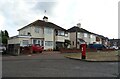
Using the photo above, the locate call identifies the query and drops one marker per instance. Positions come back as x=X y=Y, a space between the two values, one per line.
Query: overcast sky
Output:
x=98 y=16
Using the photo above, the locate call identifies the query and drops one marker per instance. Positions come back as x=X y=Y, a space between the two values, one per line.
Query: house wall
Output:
x=80 y=35
x=25 y=31
x=18 y=40
x=87 y=38
x=73 y=39
x=92 y=39
x=13 y=41
x=48 y=37
x=31 y=30
x=60 y=38
x=35 y=34
x=67 y=37
x=21 y=41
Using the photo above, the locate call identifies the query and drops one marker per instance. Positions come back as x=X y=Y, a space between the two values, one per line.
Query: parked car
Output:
x=2 y=49
x=97 y=46
x=37 y=48
x=114 y=47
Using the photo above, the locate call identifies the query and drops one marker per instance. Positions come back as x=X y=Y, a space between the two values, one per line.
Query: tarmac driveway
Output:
x=55 y=65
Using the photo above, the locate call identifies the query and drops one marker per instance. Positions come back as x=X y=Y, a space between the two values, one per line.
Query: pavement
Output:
x=91 y=60
x=54 y=64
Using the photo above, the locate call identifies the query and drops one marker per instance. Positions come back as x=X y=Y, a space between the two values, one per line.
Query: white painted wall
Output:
x=13 y=41
x=31 y=30
x=37 y=35
x=25 y=31
x=48 y=36
x=60 y=38
x=18 y=40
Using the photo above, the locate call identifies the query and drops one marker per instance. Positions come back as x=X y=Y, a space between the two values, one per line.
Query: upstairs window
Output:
x=78 y=35
x=61 y=33
x=37 y=29
x=85 y=34
x=66 y=34
x=91 y=36
x=48 y=30
x=48 y=43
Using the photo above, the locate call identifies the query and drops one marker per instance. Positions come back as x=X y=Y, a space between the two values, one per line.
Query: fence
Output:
x=13 y=49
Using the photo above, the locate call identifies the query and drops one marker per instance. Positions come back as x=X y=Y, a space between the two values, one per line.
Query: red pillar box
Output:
x=83 y=49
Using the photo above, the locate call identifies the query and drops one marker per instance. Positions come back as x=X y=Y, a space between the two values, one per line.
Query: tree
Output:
x=4 y=36
x=6 y=33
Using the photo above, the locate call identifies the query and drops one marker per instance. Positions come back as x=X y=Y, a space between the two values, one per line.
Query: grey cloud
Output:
x=14 y=15
x=48 y=6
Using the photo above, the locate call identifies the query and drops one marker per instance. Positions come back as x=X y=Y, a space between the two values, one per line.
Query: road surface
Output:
x=55 y=65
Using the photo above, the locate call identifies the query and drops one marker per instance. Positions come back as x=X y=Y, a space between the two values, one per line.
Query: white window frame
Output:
x=48 y=43
x=78 y=35
x=48 y=30
x=91 y=36
x=61 y=33
x=38 y=41
x=85 y=35
x=25 y=42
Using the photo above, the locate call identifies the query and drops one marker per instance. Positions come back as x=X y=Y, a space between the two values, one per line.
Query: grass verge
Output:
x=97 y=56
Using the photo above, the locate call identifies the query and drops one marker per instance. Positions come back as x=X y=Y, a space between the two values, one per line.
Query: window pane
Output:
x=61 y=33
x=42 y=43
x=38 y=41
x=48 y=43
x=85 y=35
x=37 y=29
x=91 y=36
x=78 y=35
x=48 y=31
x=34 y=41
x=25 y=42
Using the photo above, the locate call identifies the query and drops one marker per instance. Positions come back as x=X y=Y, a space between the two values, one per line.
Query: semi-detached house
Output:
x=79 y=35
x=41 y=32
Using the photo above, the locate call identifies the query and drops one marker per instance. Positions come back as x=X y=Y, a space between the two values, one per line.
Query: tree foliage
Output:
x=4 y=35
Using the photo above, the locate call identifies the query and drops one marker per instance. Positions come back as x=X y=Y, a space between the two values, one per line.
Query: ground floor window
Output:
x=34 y=41
x=25 y=42
x=38 y=41
x=59 y=45
x=48 y=43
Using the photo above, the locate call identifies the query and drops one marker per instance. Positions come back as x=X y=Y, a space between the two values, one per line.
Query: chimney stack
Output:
x=79 y=25
x=45 y=19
